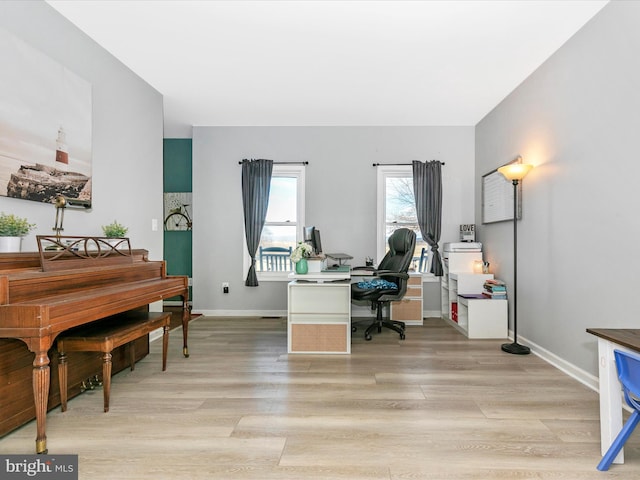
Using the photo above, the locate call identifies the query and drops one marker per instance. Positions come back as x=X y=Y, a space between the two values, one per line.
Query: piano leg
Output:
x=41 y=380
x=186 y=316
x=62 y=377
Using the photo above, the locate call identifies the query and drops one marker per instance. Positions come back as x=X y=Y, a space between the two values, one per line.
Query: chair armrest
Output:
x=390 y=273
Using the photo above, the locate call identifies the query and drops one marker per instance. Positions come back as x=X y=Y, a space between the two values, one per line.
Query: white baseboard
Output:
x=242 y=313
x=156 y=334
x=356 y=311
x=570 y=369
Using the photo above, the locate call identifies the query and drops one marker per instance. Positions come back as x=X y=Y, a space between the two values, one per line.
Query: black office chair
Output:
x=393 y=268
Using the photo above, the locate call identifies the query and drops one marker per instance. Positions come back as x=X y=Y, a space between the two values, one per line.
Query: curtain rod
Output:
x=282 y=163
x=399 y=164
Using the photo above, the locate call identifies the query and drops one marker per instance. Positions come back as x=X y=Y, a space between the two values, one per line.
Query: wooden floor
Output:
x=435 y=406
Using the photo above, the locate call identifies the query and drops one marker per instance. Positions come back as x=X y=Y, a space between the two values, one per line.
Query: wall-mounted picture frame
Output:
x=497 y=197
x=45 y=126
x=178 y=211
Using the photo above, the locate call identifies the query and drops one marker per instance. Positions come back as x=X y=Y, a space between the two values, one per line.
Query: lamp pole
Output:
x=515 y=172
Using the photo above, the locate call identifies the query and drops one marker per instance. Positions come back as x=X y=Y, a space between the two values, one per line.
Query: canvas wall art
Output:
x=45 y=126
x=178 y=211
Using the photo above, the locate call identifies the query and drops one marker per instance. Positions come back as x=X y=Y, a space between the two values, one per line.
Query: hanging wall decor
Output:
x=45 y=126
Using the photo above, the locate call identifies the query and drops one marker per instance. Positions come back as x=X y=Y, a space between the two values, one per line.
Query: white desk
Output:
x=610 y=339
x=320 y=277
x=319 y=313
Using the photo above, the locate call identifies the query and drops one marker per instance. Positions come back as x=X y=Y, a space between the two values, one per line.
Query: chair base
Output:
x=379 y=322
x=393 y=325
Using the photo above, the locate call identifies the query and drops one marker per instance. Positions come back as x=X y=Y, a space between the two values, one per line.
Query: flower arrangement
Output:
x=114 y=230
x=12 y=226
x=302 y=250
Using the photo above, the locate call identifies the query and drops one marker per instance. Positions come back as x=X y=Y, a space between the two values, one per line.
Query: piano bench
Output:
x=106 y=335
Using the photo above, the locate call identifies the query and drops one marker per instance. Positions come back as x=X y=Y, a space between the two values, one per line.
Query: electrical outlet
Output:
x=225 y=287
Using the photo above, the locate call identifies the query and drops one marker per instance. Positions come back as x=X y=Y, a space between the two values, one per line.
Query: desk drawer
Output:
x=326 y=299
x=339 y=318
x=415 y=292
x=407 y=309
x=323 y=338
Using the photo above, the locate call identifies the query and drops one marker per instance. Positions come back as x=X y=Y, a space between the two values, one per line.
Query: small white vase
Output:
x=10 y=244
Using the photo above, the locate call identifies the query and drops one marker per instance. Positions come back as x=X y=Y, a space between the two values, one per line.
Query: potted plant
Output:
x=114 y=230
x=300 y=255
x=12 y=229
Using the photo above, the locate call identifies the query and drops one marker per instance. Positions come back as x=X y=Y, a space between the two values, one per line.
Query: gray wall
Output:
x=127 y=133
x=577 y=119
x=340 y=197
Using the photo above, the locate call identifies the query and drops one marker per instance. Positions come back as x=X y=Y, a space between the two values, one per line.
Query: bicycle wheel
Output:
x=177 y=221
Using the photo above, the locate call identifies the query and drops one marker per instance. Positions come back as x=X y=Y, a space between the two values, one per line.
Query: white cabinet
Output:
x=464 y=283
x=475 y=317
x=319 y=317
x=482 y=317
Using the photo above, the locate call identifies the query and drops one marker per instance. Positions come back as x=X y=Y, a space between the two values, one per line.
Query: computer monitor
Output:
x=308 y=234
x=317 y=243
x=311 y=235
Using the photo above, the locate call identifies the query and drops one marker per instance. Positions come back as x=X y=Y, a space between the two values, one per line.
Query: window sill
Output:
x=273 y=277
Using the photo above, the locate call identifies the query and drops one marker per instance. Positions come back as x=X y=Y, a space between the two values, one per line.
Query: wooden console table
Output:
x=610 y=339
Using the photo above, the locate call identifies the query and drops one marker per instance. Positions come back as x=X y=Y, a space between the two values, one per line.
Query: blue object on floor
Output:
x=628 y=365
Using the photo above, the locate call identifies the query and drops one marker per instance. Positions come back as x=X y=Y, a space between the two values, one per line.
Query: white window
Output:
x=283 y=225
x=397 y=209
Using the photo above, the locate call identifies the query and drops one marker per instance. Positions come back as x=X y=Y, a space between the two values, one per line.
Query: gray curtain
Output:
x=256 y=183
x=427 y=189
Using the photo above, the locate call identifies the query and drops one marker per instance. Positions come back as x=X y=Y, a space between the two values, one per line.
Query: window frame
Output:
x=384 y=172
x=282 y=170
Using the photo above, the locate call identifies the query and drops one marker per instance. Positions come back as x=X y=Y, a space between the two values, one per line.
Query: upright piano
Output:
x=73 y=281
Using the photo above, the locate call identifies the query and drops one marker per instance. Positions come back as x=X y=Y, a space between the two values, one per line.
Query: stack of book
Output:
x=495 y=289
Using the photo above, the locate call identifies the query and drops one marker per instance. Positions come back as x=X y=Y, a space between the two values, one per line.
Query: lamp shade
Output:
x=515 y=171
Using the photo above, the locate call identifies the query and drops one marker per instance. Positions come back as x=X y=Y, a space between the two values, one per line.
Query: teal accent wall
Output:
x=177 y=168
x=177 y=165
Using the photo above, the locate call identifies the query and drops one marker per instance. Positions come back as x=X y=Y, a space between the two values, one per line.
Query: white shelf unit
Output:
x=319 y=317
x=482 y=317
x=464 y=283
x=454 y=263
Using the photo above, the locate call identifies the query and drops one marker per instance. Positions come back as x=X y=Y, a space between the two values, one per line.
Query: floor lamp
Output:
x=515 y=172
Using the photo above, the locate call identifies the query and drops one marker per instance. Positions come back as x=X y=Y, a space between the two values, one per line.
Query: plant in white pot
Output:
x=114 y=230
x=12 y=229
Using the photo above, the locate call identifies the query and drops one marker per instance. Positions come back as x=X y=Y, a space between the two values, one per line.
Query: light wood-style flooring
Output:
x=434 y=406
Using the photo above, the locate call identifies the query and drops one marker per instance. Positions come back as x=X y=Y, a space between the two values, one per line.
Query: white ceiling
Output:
x=329 y=62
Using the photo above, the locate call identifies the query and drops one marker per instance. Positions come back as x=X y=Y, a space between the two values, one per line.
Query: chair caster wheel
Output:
x=354 y=329
x=367 y=337
x=402 y=336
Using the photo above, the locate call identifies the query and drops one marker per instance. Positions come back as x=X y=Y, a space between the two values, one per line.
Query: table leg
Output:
x=186 y=316
x=610 y=396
